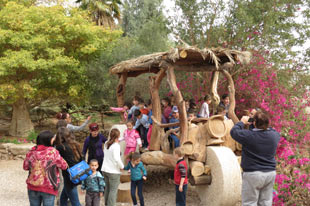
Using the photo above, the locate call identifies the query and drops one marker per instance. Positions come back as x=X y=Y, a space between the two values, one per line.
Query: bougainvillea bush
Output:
x=258 y=86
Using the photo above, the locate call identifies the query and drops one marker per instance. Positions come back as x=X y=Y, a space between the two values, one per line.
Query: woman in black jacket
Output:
x=71 y=152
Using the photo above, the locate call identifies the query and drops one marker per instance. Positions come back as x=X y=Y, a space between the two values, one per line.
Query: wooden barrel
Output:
x=216 y=127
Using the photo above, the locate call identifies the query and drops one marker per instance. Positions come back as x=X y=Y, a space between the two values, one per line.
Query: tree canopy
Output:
x=44 y=51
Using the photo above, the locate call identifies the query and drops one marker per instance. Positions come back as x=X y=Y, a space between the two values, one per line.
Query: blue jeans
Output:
x=37 y=198
x=133 y=187
x=176 y=140
x=180 y=197
x=71 y=194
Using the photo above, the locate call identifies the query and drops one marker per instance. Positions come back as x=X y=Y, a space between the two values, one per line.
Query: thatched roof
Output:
x=188 y=59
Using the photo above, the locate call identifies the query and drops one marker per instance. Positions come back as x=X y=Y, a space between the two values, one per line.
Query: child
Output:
x=131 y=137
x=143 y=110
x=42 y=162
x=94 y=185
x=180 y=178
x=166 y=108
x=135 y=106
x=124 y=109
x=93 y=144
x=220 y=110
x=142 y=125
x=173 y=119
x=204 y=110
x=149 y=132
x=138 y=174
x=191 y=114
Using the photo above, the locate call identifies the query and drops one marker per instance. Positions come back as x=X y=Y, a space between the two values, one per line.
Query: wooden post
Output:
x=156 y=109
x=120 y=90
x=214 y=95
x=180 y=104
x=200 y=180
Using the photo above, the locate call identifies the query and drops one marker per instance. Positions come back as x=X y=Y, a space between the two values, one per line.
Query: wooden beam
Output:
x=195 y=68
x=159 y=158
x=120 y=90
x=157 y=132
x=214 y=95
x=200 y=180
x=179 y=102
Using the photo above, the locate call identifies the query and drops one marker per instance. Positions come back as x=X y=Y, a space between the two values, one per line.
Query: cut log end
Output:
x=188 y=148
x=197 y=168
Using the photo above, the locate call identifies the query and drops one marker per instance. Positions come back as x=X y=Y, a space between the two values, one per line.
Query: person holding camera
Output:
x=258 y=159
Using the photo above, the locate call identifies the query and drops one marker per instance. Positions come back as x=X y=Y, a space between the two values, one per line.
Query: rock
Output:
x=5 y=145
x=20 y=149
x=3 y=151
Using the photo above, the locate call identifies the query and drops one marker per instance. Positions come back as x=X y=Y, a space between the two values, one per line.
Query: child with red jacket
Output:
x=180 y=178
x=43 y=162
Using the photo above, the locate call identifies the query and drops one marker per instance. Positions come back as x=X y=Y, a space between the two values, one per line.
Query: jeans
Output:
x=257 y=188
x=37 y=198
x=180 y=197
x=111 y=186
x=176 y=140
x=71 y=194
x=143 y=134
x=133 y=187
x=92 y=198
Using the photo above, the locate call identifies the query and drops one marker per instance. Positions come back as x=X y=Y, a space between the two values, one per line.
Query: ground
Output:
x=157 y=190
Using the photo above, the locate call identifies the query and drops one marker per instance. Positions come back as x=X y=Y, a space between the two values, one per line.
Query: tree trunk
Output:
x=214 y=95
x=120 y=90
x=199 y=153
x=21 y=123
x=157 y=132
x=159 y=158
x=180 y=104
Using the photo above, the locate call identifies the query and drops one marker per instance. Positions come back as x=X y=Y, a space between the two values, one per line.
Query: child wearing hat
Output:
x=93 y=144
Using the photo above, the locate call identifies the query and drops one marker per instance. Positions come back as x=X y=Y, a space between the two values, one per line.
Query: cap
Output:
x=175 y=109
x=93 y=127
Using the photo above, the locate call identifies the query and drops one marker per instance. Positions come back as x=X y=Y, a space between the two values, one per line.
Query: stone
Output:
x=3 y=151
x=5 y=145
x=225 y=187
x=20 y=149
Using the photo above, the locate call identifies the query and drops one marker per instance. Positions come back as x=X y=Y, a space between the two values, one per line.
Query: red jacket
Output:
x=43 y=163
x=180 y=171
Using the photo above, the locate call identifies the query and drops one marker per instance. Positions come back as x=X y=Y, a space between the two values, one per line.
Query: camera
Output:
x=251 y=119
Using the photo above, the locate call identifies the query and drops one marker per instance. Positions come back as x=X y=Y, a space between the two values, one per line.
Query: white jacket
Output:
x=112 y=162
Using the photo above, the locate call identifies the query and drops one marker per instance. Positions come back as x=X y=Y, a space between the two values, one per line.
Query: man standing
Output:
x=258 y=159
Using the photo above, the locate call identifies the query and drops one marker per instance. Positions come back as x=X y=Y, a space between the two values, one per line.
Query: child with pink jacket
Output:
x=132 y=138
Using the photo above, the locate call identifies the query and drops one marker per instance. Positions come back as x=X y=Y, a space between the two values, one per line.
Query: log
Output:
x=188 y=145
x=228 y=140
x=212 y=141
x=216 y=127
x=123 y=193
x=120 y=90
x=165 y=125
x=207 y=170
x=159 y=158
x=200 y=180
x=197 y=168
x=179 y=102
x=156 y=109
x=199 y=153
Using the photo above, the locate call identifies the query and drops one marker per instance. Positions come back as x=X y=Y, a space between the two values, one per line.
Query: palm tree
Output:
x=104 y=12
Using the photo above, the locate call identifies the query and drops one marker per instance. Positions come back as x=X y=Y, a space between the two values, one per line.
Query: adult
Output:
x=67 y=117
x=251 y=115
x=258 y=159
x=71 y=152
x=93 y=144
x=43 y=179
x=111 y=167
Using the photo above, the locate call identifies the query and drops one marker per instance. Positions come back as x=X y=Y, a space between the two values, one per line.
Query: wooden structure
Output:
x=196 y=135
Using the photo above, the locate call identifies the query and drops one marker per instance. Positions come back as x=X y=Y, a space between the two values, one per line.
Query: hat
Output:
x=93 y=127
x=175 y=109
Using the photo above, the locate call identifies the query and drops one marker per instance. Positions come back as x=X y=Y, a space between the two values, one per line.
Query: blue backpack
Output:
x=79 y=172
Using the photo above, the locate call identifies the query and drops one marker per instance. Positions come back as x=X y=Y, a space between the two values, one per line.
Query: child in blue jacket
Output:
x=138 y=174
x=94 y=185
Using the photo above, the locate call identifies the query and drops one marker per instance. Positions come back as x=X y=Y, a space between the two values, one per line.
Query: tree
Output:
x=43 y=54
x=103 y=12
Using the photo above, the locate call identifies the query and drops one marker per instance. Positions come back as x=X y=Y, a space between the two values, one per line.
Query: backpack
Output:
x=79 y=172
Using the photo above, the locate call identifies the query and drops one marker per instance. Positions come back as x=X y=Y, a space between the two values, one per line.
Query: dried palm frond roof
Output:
x=188 y=59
